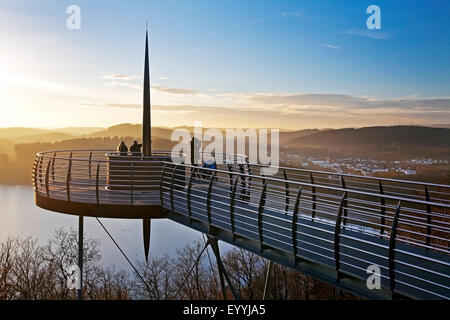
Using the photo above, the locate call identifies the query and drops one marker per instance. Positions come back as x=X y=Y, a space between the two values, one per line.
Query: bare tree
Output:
x=31 y=271
x=158 y=273
x=61 y=252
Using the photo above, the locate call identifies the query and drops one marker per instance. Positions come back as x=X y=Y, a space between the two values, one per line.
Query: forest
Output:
x=31 y=270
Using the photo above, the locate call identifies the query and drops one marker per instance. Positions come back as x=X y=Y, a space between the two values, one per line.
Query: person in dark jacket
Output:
x=122 y=148
x=136 y=148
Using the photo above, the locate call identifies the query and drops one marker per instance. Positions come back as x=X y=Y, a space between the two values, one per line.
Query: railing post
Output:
x=53 y=166
x=69 y=177
x=382 y=210
x=427 y=198
x=242 y=177
x=208 y=200
x=90 y=158
x=172 y=205
x=132 y=183
x=262 y=203
x=188 y=196
x=80 y=255
x=47 y=172
x=314 y=198
x=161 y=185
x=392 y=243
x=294 y=224
x=249 y=172
x=35 y=170
x=40 y=171
x=286 y=185
x=230 y=169
x=96 y=183
x=232 y=203
x=345 y=202
x=337 y=232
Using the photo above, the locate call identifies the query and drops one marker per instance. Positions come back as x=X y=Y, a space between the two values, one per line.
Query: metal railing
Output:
x=102 y=176
x=343 y=228
x=342 y=221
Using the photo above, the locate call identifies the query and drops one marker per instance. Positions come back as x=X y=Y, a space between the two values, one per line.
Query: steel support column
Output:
x=266 y=283
x=80 y=255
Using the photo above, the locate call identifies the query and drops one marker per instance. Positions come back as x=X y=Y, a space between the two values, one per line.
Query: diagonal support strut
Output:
x=222 y=271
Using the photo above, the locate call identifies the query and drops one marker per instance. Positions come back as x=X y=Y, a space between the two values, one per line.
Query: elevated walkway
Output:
x=330 y=226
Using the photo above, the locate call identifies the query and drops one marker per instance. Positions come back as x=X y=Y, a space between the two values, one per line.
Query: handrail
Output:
x=418 y=183
x=291 y=182
x=385 y=196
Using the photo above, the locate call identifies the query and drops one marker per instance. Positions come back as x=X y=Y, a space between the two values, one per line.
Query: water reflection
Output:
x=20 y=217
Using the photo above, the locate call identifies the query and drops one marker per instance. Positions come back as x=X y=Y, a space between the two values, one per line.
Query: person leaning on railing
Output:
x=122 y=148
x=136 y=148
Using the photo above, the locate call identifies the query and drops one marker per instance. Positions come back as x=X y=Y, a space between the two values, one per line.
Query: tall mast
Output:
x=147 y=122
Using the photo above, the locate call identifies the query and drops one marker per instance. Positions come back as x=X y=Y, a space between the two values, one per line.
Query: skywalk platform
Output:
x=327 y=225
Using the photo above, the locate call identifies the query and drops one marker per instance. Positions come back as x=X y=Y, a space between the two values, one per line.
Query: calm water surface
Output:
x=20 y=217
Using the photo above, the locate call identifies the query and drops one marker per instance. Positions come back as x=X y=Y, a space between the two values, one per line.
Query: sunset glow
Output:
x=277 y=69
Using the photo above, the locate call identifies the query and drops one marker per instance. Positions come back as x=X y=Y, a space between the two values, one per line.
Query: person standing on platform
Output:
x=136 y=148
x=122 y=148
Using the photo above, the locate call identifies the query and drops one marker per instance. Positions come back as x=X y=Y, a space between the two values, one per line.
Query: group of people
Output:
x=135 y=148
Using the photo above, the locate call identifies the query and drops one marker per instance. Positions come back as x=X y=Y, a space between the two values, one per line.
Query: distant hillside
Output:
x=130 y=130
x=28 y=135
x=287 y=137
x=45 y=137
x=78 y=131
x=447 y=126
x=380 y=136
x=395 y=141
x=16 y=132
x=6 y=147
x=120 y=130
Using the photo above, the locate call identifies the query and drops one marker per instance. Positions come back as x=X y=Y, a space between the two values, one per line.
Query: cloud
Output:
x=294 y=14
x=124 y=84
x=373 y=34
x=296 y=110
x=330 y=46
x=175 y=90
x=346 y=102
x=110 y=105
x=163 y=78
x=117 y=76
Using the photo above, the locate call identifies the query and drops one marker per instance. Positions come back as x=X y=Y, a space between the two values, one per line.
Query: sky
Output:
x=262 y=64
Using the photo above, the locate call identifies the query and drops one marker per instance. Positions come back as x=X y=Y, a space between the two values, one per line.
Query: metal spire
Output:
x=146 y=123
x=146 y=137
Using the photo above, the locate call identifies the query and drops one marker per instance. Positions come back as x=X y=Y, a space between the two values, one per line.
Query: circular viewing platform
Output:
x=103 y=182
x=106 y=183
x=100 y=183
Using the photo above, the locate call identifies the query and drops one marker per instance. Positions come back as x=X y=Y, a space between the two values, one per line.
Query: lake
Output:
x=19 y=216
